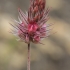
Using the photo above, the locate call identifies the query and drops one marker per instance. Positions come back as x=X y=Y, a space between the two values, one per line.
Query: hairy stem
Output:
x=28 y=60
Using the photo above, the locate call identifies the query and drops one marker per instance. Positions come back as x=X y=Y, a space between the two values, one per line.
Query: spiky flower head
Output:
x=32 y=25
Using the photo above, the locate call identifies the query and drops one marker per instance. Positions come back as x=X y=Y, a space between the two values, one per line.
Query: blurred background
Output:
x=54 y=55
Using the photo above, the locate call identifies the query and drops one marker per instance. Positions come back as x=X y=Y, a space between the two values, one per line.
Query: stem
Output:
x=28 y=60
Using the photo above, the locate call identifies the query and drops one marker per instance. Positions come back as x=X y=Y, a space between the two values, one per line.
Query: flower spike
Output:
x=32 y=26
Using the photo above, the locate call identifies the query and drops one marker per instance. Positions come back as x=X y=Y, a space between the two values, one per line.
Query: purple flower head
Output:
x=32 y=25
